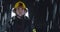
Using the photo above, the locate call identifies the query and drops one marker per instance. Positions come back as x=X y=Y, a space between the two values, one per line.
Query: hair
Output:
x=15 y=10
x=19 y=4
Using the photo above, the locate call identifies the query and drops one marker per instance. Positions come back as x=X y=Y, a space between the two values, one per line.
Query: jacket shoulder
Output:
x=11 y=22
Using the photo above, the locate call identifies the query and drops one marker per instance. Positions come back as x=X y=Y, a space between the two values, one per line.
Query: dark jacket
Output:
x=19 y=25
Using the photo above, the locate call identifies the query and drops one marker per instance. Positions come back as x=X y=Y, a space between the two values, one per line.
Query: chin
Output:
x=20 y=15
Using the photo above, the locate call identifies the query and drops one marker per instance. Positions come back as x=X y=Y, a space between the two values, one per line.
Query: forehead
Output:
x=20 y=7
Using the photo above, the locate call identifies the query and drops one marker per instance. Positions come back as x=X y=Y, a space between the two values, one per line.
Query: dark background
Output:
x=44 y=13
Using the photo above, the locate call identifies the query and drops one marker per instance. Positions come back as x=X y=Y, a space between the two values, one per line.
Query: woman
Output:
x=19 y=23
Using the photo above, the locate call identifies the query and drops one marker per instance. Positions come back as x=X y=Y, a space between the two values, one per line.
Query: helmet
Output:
x=20 y=4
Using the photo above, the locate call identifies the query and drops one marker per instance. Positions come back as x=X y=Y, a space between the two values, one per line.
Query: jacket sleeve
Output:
x=28 y=25
x=9 y=26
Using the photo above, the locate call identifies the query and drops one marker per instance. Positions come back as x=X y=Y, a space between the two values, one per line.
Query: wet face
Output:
x=20 y=11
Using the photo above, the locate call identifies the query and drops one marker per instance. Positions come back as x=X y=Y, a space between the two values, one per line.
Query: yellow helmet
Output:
x=20 y=4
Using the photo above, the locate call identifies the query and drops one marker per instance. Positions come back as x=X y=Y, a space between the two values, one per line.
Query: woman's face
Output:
x=20 y=11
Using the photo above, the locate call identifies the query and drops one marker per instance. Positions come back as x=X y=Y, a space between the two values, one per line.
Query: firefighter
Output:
x=19 y=23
